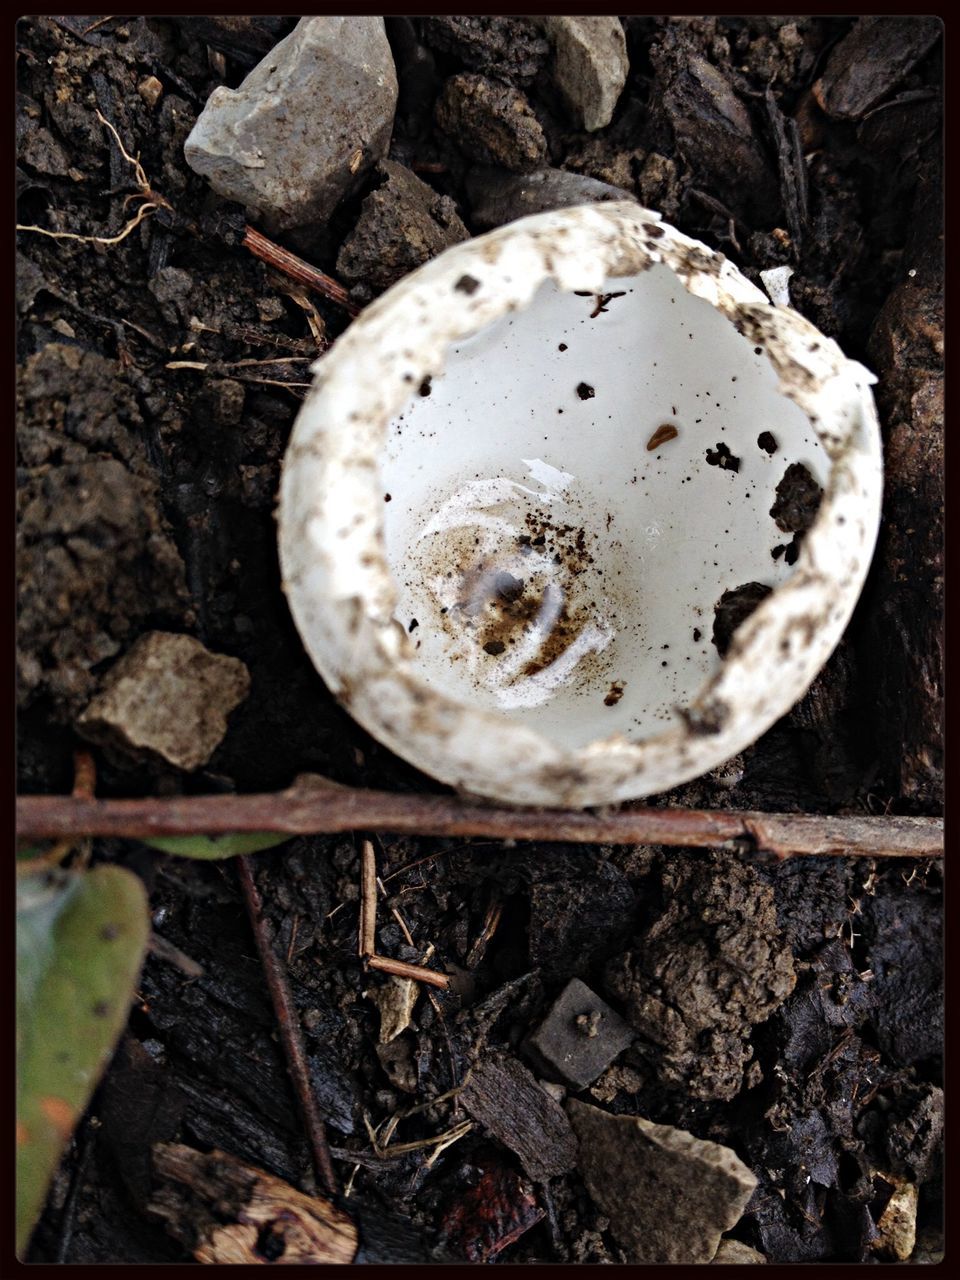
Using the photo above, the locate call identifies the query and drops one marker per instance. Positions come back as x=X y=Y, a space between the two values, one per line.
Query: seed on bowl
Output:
x=666 y=431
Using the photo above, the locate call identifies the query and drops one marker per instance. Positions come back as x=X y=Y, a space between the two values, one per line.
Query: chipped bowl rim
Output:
x=331 y=520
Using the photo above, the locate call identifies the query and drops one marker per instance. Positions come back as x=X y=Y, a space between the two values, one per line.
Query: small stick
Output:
x=478 y=950
x=403 y=970
x=408 y=936
x=165 y=950
x=290 y=1032
x=367 y=944
x=283 y=260
x=309 y=809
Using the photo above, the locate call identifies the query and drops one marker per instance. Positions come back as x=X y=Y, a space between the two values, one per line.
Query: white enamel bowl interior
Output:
x=550 y=566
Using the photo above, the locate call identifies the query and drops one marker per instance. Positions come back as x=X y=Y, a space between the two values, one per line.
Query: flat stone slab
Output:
x=167 y=696
x=579 y=1038
x=669 y=1196
x=304 y=126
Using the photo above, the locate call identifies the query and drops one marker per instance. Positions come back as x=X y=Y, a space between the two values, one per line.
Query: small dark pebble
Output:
x=797 y=500
x=614 y=695
x=508 y=588
x=467 y=284
x=494 y=648
x=722 y=457
x=766 y=442
x=425 y=386
x=585 y=391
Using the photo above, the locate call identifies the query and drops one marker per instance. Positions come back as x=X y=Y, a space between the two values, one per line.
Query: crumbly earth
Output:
x=712 y=966
x=158 y=381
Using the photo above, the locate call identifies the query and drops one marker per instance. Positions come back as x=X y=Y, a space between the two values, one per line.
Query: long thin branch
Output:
x=290 y=1034
x=307 y=808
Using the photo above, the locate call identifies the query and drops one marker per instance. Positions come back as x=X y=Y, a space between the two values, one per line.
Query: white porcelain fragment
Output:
x=506 y=393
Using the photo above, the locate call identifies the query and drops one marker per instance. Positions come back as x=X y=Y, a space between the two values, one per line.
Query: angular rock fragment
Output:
x=491 y=122
x=304 y=126
x=669 y=1196
x=897 y=1224
x=497 y=197
x=168 y=696
x=403 y=224
x=579 y=1038
x=590 y=66
x=395 y=998
x=736 y=1253
x=507 y=1100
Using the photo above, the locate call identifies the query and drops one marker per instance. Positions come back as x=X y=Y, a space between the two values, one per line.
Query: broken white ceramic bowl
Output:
x=525 y=478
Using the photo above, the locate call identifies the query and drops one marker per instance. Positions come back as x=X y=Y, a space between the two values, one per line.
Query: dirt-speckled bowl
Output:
x=537 y=489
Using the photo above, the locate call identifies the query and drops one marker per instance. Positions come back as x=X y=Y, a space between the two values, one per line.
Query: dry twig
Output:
x=309 y=809
x=400 y=969
x=283 y=260
x=290 y=1032
x=368 y=900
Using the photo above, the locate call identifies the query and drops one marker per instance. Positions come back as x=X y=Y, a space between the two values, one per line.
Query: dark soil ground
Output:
x=146 y=501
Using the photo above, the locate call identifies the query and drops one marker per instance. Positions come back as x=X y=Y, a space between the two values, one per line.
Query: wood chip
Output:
x=504 y=1096
x=226 y=1211
x=662 y=434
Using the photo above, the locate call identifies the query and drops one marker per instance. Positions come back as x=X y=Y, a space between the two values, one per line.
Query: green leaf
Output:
x=81 y=939
x=214 y=847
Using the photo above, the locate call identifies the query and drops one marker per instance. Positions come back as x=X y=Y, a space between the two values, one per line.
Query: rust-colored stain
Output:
x=23 y=1134
x=662 y=434
x=60 y=1114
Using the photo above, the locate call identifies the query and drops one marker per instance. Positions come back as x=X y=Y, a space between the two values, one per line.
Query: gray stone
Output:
x=736 y=1253
x=167 y=696
x=491 y=123
x=579 y=1038
x=497 y=197
x=669 y=1196
x=304 y=126
x=402 y=224
x=590 y=66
